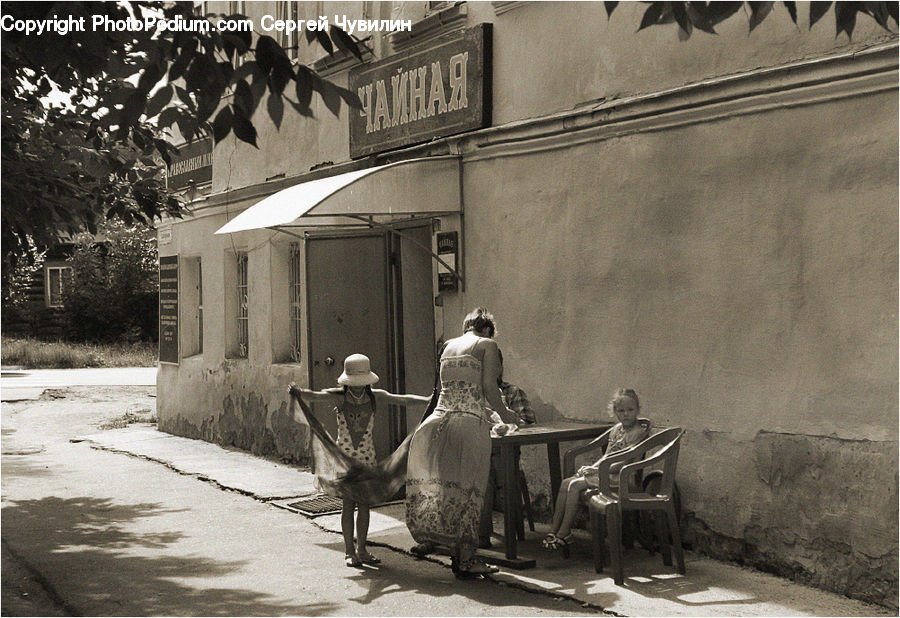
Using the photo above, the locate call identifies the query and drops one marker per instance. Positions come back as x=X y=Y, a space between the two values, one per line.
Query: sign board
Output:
x=423 y=93
x=448 y=250
x=168 y=309
x=191 y=166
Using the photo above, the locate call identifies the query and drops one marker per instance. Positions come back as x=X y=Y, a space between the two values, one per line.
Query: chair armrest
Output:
x=656 y=458
x=627 y=455
x=569 y=458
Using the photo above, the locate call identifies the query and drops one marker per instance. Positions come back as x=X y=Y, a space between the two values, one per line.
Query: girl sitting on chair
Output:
x=628 y=432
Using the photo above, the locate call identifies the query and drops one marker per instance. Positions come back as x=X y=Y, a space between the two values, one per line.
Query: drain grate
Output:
x=320 y=504
x=317 y=505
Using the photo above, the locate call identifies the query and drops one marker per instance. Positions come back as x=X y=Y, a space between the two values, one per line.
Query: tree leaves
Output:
x=244 y=130
x=159 y=100
x=817 y=10
x=792 y=10
x=275 y=107
x=681 y=17
x=304 y=87
x=322 y=37
x=653 y=15
x=243 y=99
x=705 y=15
x=221 y=126
x=281 y=74
x=758 y=12
x=267 y=52
x=845 y=18
x=345 y=42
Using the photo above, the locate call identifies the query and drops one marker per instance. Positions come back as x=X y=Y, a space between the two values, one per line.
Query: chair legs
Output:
x=663 y=534
x=676 y=539
x=606 y=539
x=614 y=542
x=598 y=538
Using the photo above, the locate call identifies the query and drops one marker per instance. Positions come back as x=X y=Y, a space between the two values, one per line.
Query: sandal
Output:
x=367 y=558
x=553 y=542
x=472 y=569
x=422 y=549
x=550 y=541
x=352 y=560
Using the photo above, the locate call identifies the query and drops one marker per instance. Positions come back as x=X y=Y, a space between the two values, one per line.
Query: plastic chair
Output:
x=600 y=442
x=609 y=506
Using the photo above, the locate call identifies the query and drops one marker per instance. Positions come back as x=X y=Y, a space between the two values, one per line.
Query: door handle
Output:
x=329 y=361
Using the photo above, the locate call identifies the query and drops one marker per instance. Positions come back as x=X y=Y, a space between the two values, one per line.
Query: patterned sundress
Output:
x=449 y=461
x=345 y=466
x=355 y=423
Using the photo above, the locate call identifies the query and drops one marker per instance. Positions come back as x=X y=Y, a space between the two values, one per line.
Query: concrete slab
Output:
x=230 y=469
x=27 y=393
x=709 y=588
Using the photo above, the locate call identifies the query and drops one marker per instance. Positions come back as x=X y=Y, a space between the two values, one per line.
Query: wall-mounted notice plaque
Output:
x=448 y=251
x=168 y=309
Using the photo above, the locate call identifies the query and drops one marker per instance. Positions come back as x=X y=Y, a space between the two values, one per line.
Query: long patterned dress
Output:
x=449 y=461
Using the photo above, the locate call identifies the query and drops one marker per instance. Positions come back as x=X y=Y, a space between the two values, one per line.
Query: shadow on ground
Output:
x=432 y=577
x=83 y=541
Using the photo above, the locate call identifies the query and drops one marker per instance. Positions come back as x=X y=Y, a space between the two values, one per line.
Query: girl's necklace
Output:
x=355 y=398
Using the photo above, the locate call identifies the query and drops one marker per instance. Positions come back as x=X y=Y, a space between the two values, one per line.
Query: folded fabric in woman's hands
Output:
x=503 y=429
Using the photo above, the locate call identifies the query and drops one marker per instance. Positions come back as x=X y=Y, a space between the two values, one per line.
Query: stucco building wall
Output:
x=690 y=219
x=746 y=287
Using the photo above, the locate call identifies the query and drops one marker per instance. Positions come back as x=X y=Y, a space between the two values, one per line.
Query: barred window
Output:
x=199 y=306
x=236 y=7
x=191 y=306
x=242 y=313
x=55 y=283
x=289 y=41
x=295 y=285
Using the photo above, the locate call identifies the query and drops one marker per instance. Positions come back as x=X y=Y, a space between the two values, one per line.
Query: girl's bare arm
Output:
x=382 y=396
x=318 y=396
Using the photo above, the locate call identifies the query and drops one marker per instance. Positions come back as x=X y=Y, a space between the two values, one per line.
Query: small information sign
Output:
x=448 y=251
x=168 y=309
x=191 y=166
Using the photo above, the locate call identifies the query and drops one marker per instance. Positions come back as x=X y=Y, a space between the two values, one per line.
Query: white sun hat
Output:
x=357 y=371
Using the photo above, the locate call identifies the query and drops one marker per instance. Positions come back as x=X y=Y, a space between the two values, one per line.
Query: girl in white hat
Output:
x=354 y=405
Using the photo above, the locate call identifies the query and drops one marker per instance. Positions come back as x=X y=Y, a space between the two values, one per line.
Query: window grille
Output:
x=434 y=7
x=236 y=7
x=242 y=315
x=56 y=276
x=289 y=41
x=295 y=283
x=199 y=306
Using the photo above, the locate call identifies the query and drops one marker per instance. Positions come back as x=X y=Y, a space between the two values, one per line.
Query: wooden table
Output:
x=550 y=434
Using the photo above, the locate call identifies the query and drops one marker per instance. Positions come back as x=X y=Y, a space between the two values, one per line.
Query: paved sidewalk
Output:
x=710 y=588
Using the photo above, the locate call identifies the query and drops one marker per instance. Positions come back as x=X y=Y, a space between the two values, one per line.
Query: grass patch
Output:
x=34 y=354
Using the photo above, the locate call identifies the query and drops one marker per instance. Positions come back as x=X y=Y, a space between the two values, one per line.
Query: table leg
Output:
x=507 y=458
x=555 y=474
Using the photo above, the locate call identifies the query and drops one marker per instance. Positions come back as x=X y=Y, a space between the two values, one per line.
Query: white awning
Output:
x=427 y=187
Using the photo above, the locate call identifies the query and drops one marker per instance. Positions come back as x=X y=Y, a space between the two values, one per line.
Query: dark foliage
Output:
x=67 y=168
x=113 y=293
